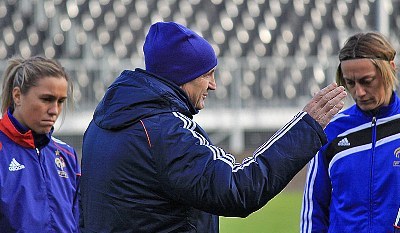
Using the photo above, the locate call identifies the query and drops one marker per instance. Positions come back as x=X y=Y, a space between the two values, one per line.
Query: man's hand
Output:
x=326 y=103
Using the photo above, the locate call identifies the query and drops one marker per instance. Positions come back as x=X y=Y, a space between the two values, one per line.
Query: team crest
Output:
x=60 y=164
x=397 y=152
x=396 y=163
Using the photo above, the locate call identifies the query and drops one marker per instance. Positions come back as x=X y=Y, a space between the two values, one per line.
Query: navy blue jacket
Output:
x=148 y=167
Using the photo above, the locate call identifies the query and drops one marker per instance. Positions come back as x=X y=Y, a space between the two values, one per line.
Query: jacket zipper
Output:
x=43 y=172
x=371 y=207
x=40 y=164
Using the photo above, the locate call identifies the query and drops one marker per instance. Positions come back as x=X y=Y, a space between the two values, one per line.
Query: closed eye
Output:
x=61 y=101
x=350 y=83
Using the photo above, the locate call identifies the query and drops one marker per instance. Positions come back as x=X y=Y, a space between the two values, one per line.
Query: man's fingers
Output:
x=324 y=96
x=324 y=119
x=331 y=96
x=334 y=110
x=330 y=109
x=320 y=94
x=338 y=96
x=326 y=103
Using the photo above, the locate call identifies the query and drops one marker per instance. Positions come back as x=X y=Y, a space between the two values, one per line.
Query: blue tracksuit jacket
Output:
x=38 y=182
x=353 y=183
x=148 y=167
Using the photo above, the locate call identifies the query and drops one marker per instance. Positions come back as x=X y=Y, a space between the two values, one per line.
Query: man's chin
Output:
x=200 y=106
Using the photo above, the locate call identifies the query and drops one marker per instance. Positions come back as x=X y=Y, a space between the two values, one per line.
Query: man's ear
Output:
x=16 y=95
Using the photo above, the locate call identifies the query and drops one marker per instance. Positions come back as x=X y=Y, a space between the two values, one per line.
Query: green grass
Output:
x=280 y=215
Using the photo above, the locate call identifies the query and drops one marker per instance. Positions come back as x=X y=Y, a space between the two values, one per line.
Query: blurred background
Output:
x=273 y=54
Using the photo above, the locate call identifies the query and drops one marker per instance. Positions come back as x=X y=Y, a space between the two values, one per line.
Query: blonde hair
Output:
x=373 y=46
x=25 y=73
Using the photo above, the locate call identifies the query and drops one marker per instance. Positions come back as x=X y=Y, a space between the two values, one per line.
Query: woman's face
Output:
x=365 y=84
x=39 y=108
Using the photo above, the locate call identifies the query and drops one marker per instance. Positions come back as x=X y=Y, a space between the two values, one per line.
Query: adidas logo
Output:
x=15 y=166
x=344 y=142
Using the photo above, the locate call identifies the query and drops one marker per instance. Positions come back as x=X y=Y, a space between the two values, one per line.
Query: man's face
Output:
x=365 y=84
x=198 y=88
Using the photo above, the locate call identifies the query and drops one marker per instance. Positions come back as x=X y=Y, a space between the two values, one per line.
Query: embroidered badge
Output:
x=60 y=164
x=397 y=152
x=396 y=163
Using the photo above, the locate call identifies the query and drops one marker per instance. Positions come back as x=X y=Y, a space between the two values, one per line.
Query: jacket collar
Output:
x=177 y=90
x=27 y=139
x=384 y=111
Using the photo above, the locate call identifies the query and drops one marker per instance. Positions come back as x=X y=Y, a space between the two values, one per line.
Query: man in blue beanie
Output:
x=177 y=53
x=147 y=166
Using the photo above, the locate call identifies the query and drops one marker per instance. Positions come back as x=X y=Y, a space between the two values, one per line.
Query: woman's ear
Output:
x=16 y=95
x=393 y=64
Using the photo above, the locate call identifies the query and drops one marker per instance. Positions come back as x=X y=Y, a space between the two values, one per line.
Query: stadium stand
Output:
x=274 y=54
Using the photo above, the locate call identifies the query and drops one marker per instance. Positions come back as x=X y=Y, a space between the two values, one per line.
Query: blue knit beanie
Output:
x=176 y=53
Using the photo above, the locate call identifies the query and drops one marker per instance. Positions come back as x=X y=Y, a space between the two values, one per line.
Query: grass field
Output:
x=280 y=215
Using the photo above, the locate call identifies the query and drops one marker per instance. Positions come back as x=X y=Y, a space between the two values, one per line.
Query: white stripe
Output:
x=355 y=129
x=303 y=203
x=311 y=190
x=304 y=206
x=58 y=141
x=220 y=154
x=279 y=134
x=201 y=137
x=346 y=153
x=308 y=205
x=386 y=119
x=368 y=125
x=361 y=148
x=397 y=218
x=14 y=162
x=388 y=139
x=186 y=121
x=272 y=140
x=338 y=116
x=217 y=152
